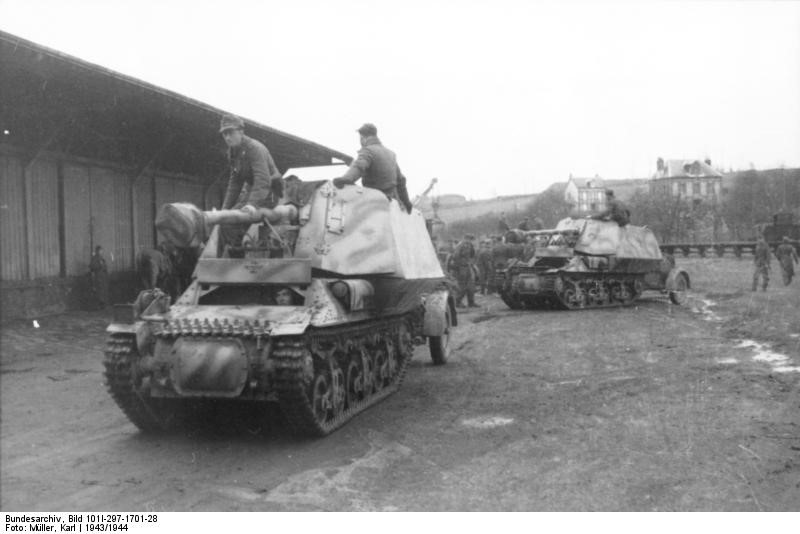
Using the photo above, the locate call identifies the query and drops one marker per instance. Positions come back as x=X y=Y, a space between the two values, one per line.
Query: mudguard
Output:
x=669 y=284
x=437 y=305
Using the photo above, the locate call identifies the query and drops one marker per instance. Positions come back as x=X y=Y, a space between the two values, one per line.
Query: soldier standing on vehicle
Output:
x=787 y=257
x=762 y=263
x=461 y=263
x=98 y=275
x=502 y=224
x=254 y=178
x=485 y=265
x=615 y=210
x=377 y=165
x=525 y=224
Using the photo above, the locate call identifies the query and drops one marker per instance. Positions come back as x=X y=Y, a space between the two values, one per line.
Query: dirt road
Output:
x=648 y=408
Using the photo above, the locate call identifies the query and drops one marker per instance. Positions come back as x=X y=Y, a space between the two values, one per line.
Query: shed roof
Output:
x=57 y=102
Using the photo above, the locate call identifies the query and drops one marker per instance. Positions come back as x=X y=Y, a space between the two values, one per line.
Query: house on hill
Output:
x=692 y=179
x=586 y=194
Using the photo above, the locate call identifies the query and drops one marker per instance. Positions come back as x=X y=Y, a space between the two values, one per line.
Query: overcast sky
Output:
x=492 y=97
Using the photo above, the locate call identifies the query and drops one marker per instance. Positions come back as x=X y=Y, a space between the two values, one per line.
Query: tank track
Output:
x=384 y=347
x=149 y=415
x=578 y=291
x=313 y=410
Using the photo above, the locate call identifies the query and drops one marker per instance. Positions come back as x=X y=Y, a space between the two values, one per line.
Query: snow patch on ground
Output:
x=703 y=307
x=727 y=361
x=763 y=353
x=487 y=421
x=786 y=369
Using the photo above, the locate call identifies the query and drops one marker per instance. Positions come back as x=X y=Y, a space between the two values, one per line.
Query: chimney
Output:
x=660 y=164
x=708 y=161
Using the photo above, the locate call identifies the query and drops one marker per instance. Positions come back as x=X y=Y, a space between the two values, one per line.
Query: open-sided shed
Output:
x=86 y=157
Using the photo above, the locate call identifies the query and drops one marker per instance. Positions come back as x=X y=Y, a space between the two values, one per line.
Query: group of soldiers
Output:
x=254 y=182
x=472 y=266
x=762 y=261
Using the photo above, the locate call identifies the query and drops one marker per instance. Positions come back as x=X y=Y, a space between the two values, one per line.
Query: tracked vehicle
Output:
x=586 y=263
x=317 y=311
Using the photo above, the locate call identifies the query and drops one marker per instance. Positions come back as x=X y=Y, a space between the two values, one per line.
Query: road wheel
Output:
x=440 y=345
x=681 y=292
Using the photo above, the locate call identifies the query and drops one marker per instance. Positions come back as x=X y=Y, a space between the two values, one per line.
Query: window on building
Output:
x=696 y=188
x=682 y=188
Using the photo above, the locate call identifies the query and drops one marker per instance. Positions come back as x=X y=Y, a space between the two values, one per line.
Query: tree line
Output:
x=751 y=198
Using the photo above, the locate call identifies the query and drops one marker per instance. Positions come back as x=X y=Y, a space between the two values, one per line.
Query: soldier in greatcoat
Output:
x=787 y=257
x=762 y=264
x=461 y=265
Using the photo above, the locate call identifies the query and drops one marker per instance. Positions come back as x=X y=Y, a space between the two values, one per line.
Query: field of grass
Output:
x=772 y=316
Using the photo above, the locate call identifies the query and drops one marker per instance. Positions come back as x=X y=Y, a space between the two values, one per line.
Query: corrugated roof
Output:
x=52 y=68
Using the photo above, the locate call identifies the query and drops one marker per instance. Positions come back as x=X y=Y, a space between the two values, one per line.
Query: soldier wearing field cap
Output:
x=254 y=178
x=377 y=166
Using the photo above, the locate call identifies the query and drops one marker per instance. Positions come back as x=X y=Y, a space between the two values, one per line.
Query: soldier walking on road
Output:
x=762 y=263
x=98 y=276
x=787 y=257
x=461 y=265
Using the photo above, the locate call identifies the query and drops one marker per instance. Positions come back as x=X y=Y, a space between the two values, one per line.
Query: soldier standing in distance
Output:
x=98 y=275
x=787 y=257
x=377 y=165
x=761 y=262
x=460 y=264
x=485 y=265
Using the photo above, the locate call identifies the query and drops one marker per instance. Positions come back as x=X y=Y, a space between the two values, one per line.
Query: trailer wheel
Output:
x=681 y=292
x=440 y=345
